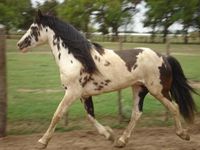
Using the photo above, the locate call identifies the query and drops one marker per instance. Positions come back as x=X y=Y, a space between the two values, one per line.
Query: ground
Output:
x=144 y=138
x=157 y=138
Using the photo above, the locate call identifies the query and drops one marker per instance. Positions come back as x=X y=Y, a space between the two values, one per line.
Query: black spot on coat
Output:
x=88 y=103
x=59 y=55
x=35 y=33
x=107 y=63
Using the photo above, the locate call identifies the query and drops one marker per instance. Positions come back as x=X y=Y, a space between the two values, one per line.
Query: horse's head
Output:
x=35 y=35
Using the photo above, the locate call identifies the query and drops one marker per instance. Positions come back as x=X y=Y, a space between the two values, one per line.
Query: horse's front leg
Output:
x=103 y=130
x=67 y=100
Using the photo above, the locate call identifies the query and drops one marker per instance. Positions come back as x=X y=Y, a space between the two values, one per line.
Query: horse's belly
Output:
x=109 y=84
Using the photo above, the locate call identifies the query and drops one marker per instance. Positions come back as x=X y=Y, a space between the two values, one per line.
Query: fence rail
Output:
x=132 y=38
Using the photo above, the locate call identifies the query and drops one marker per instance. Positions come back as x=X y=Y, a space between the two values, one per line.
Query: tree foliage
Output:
x=187 y=10
x=15 y=14
x=77 y=12
x=197 y=17
x=164 y=13
x=49 y=7
x=113 y=14
x=108 y=14
x=161 y=13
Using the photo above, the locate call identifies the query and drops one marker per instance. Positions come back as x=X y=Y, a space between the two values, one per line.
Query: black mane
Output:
x=78 y=45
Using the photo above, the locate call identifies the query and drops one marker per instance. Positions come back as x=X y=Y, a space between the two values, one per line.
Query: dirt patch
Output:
x=160 y=138
x=40 y=90
x=195 y=85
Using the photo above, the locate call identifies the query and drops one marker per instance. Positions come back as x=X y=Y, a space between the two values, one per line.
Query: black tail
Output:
x=181 y=91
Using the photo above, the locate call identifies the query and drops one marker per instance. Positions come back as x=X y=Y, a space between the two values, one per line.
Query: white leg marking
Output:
x=67 y=100
x=174 y=109
x=136 y=114
x=100 y=128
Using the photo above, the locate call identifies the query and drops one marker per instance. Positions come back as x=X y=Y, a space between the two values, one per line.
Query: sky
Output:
x=137 y=25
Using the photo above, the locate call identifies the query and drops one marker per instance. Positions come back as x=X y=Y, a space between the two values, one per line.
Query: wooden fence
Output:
x=3 y=85
x=132 y=38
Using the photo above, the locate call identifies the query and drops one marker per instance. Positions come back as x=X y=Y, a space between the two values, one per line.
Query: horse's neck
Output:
x=63 y=58
x=56 y=50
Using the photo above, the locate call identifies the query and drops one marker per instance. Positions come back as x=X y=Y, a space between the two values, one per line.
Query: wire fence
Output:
x=35 y=92
x=135 y=38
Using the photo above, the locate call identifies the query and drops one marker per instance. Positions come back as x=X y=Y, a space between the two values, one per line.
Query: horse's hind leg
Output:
x=139 y=92
x=105 y=131
x=165 y=99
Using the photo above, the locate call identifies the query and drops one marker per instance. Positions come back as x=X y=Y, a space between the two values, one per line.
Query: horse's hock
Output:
x=3 y=92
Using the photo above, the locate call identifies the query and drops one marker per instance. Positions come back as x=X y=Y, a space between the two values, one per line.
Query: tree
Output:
x=49 y=7
x=114 y=17
x=80 y=13
x=186 y=13
x=161 y=13
x=151 y=23
x=16 y=14
x=77 y=12
x=197 y=17
x=6 y=15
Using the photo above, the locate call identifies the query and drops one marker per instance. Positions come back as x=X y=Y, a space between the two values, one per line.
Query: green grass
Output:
x=30 y=112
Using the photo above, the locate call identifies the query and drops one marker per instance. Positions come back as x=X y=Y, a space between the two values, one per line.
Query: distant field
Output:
x=34 y=89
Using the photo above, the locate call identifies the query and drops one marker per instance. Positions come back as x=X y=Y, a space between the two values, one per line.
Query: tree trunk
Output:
x=115 y=37
x=3 y=87
x=186 y=36
x=153 y=34
x=153 y=38
x=199 y=35
x=165 y=35
x=168 y=46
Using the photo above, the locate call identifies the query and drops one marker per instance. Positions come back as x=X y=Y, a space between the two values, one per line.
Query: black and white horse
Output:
x=87 y=69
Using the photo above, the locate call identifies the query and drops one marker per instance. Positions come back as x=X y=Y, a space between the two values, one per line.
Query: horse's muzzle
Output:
x=23 y=46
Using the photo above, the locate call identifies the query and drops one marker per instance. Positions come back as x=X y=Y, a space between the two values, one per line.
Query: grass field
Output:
x=34 y=89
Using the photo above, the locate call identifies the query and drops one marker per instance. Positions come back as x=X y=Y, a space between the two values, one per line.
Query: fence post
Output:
x=168 y=43
x=119 y=100
x=3 y=85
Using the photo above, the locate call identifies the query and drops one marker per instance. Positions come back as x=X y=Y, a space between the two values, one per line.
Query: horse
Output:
x=87 y=69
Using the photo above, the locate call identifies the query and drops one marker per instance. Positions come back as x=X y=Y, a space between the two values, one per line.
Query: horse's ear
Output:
x=39 y=15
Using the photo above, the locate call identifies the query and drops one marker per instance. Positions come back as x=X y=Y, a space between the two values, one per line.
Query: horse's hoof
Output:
x=184 y=135
x=110 y=131
x=41 y=145
x=119 y=144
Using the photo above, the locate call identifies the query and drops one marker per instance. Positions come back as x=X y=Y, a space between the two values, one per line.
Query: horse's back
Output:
x=125 y=68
